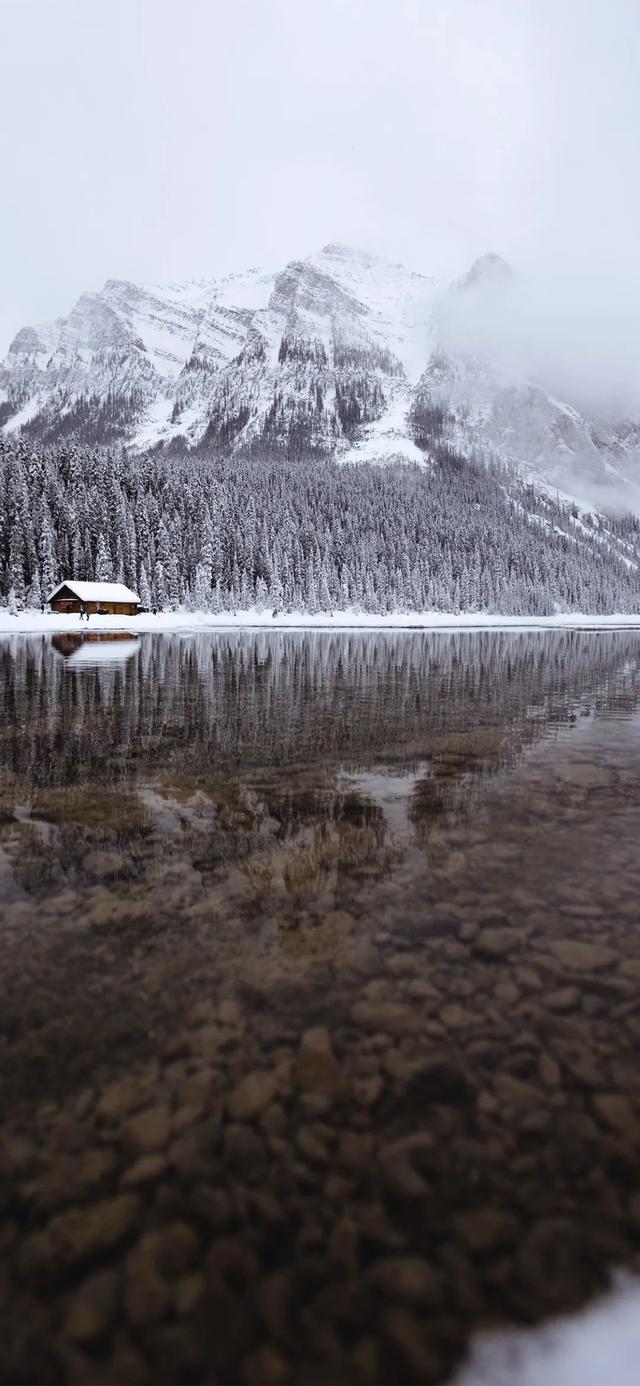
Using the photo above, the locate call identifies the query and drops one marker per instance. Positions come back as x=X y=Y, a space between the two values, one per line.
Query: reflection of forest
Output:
x=227 y=701
x=283 y=767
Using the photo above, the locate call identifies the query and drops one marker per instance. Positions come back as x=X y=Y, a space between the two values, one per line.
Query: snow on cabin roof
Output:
x=97 y=591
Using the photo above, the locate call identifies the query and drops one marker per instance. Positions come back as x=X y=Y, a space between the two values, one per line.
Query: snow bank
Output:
x=35 y=622
x=601 y=1345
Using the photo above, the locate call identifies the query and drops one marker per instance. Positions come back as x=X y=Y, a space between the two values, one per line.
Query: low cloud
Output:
x=574 y=333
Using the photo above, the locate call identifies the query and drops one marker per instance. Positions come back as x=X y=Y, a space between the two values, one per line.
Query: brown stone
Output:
x=582 y=957
x=229 y=1012
x=144 y=1170
x=189 y=1293
x=400 y=1162
x=118 y=1099
x=498 y=943
x=147 y=1295
x=367 y=1090
x=266 y=1367
x=389 y=1016
x=80 y=1233
x=17 y=1153
x=176 y=1248
x=549 y=1071
x=406 y=1278
x=518 y=1093
x=316 y=1067
x=252 y=1095
x=149 y=1130
x=407 y=1335
x=454 y=1017
x=484 y=1230
x=228 y=1261
x=631 y=968
x=507 y=993
x=617 y=1113
x=562 y=1000
x=92 y=1308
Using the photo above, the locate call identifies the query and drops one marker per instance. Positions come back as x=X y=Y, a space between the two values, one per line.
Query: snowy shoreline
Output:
x=37 y=623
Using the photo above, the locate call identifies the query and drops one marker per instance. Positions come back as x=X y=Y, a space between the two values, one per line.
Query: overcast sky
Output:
x=144 y=139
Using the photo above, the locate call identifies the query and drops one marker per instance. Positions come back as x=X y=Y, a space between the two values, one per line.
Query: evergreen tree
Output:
x=104 y=568
x=319 y=537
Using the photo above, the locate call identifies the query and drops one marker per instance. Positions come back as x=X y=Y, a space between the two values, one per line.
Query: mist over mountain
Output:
x=346 y=355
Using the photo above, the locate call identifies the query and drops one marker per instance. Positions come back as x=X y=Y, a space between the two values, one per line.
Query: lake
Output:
x=319 y=1016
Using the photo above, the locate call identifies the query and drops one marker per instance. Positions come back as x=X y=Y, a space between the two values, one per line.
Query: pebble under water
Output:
x=319 y=1020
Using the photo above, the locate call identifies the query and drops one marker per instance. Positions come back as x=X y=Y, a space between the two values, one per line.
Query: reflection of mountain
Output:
x=392 y=793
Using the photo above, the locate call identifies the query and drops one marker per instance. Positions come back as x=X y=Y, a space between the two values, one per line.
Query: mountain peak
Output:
x=356 y=255
x=339 y=250
x=487 y=269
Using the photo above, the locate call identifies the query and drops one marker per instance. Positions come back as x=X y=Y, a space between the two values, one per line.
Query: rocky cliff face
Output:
x=341 y=354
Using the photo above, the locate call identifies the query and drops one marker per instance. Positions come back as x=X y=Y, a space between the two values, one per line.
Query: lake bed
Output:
x=319 y=1021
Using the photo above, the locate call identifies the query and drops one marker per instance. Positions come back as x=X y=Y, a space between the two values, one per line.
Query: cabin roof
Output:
x=96 y=591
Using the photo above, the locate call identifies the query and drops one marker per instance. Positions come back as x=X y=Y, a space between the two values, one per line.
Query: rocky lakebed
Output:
x=319 y=1020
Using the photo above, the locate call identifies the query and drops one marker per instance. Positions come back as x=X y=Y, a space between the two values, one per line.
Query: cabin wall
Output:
x=67 y=605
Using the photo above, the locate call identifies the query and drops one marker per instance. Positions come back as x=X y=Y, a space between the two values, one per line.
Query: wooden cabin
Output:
x=98 y=598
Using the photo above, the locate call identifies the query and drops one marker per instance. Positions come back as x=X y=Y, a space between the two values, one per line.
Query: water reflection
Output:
x=421 y=847
x=95 y=650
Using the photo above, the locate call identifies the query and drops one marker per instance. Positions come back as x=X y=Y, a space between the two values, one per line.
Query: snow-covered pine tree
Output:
x=104 y=566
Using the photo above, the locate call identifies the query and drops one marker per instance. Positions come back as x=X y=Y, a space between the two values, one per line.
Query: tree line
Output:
x=213 y=534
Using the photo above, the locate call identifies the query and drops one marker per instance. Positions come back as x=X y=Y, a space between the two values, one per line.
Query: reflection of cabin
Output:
x=99 y=598
x=111 y=644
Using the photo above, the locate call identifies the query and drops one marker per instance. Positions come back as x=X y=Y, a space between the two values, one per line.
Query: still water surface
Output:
x=319 y=1017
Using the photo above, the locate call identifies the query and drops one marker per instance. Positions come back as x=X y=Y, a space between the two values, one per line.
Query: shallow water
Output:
x=319 y=1003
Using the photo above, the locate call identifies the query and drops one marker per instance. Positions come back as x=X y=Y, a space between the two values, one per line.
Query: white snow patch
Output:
x=28 y=411
x=599 y=1346
x=36 y=622
x=387 y=438
x=156 y=424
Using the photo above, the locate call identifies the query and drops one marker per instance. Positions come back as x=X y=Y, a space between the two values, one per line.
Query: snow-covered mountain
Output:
x=342 y=354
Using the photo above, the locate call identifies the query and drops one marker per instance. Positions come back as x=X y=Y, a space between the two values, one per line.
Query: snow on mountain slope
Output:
x=399 y=302
x=128 y=344
x=343 y=353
